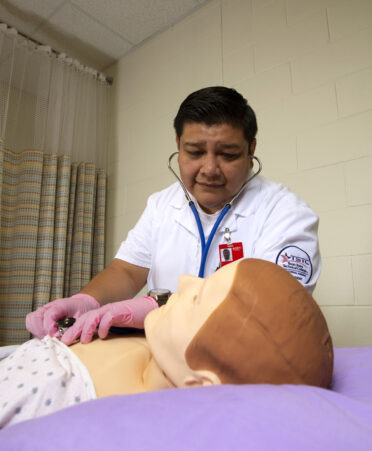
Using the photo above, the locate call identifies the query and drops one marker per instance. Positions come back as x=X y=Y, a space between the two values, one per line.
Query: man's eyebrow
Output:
x=231 y=146
x=194 y=143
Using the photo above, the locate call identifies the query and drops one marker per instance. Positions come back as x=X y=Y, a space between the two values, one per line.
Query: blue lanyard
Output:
x=206 y=245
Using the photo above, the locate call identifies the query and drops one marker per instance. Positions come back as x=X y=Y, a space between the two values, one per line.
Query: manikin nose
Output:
x=188 y=281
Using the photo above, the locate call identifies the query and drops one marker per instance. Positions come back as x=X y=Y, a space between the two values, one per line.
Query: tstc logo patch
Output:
x=297 y=262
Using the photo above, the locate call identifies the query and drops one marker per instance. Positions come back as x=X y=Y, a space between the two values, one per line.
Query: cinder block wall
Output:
x=306 y=69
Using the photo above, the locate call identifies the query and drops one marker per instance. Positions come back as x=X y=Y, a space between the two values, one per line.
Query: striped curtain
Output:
x=52 y=233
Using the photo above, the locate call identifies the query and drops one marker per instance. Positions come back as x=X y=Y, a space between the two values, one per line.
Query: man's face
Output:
x=214 y=162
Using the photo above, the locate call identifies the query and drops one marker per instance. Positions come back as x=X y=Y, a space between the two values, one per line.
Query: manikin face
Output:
x=170 y=328
x=214 y=162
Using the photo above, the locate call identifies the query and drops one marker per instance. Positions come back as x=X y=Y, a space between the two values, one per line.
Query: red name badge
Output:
x=230 y=253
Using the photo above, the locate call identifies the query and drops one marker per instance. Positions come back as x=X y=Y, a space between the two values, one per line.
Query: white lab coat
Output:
x=272 y=223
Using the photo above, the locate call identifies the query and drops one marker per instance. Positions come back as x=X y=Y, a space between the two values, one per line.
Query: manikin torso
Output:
x=121 y=365
x=124 y=364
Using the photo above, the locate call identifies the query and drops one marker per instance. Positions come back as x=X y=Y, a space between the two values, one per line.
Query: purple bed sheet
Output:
x=254 y=417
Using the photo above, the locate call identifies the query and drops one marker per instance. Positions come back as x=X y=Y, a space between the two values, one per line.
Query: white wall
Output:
x=306 y=69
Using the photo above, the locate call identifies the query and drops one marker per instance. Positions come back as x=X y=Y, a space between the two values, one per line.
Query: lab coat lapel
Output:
x=183 y=214
x=241 y=208
x=185 y=218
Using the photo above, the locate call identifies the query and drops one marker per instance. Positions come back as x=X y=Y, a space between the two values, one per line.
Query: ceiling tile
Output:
x=71 y=23
x=96 y=32
x=137 y=20
x=26 y=15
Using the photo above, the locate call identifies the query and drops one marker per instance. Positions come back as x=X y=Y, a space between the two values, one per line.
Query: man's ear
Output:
x=252 y=147
x=202 y=378
x=178 y=141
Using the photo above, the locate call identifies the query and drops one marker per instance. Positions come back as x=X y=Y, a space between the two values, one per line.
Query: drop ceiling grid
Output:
x=99 y=31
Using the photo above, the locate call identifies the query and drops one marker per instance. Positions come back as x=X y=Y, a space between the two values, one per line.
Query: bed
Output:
x=257 y=417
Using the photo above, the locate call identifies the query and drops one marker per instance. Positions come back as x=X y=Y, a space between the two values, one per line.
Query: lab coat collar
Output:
x=184 y=216
x=243 y=207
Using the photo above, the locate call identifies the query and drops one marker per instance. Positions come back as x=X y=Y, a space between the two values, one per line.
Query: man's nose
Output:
x=210 y=166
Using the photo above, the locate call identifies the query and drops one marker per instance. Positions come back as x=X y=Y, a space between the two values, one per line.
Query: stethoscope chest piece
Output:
x=64 y=323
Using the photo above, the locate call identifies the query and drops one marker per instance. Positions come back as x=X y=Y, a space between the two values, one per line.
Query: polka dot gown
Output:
x=40 y=377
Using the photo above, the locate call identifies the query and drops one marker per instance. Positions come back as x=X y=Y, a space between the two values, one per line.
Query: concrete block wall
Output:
x=306 y=69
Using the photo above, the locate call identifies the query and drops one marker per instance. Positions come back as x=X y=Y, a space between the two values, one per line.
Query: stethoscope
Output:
x=206 y=245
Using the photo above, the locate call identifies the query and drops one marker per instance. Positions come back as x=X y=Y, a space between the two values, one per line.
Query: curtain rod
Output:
x=108 y=80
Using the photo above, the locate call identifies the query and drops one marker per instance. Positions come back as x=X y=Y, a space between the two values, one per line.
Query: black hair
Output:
x=217 y=105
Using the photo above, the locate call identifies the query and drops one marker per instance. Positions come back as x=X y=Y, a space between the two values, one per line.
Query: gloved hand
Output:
x=131 y=312
x=43 y=321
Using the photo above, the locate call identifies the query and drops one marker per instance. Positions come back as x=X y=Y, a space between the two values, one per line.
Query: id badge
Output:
x=230 y=252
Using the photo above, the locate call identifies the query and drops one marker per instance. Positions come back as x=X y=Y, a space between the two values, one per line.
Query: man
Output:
x=215 y=136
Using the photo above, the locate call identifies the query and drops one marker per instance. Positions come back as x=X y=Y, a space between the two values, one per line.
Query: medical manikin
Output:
x=250 y=322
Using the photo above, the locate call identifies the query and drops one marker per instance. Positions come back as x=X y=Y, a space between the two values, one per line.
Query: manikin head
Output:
x=249 y=322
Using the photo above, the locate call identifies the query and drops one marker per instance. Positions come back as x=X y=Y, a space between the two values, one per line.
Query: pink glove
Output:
x=130 y=313
x=43 y=321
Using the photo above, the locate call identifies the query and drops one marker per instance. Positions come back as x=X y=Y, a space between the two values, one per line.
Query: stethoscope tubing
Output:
x=204 y=256
x=206 y=246
x=199 y=224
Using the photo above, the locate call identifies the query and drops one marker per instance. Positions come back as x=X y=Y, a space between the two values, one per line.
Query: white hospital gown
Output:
x=40 y=377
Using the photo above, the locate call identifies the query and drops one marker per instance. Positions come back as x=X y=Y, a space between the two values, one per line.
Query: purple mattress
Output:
x=256 y=417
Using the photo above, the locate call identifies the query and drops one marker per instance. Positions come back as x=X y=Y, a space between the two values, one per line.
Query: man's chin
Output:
x=210 y=207
x=209 y=199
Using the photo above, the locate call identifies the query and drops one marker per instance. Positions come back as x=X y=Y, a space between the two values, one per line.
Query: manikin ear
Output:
x=201 y=378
